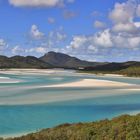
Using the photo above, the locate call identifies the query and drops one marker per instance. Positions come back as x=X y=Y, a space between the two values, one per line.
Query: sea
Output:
x=28 y=106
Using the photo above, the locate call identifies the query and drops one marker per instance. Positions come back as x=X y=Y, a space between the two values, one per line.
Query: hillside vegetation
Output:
x=60 y=60
x=131 y=68
x=121 y=128
x=131 y=71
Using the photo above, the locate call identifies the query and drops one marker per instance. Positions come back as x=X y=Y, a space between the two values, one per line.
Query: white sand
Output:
x=91 y=83
x=113 y=75
x=34 y=71
x=8 y=80
x=50 y=96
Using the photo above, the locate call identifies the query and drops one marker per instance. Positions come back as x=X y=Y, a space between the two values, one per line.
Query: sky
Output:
x=94 y=30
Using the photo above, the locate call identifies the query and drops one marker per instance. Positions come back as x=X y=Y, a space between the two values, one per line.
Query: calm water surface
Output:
x=17 y=116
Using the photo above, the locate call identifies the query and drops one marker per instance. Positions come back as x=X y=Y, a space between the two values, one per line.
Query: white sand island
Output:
x=91 y=83
x=56 y=92
x=8 y=80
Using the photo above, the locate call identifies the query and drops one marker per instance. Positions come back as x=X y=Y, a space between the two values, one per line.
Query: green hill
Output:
x=61 y=60
x=131 y=71
x=22 y=62
x=130 y=68
x=121 y=128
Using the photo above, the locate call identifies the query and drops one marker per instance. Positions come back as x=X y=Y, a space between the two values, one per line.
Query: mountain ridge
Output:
x=61 y=60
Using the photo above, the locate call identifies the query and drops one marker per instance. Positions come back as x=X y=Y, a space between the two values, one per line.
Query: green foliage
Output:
x=130 y=71
x=121 y=128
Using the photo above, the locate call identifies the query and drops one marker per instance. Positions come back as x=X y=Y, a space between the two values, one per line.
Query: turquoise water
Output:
x=17 y=116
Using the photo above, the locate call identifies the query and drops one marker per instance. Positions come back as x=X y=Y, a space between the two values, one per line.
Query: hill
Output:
x=61 y=60
x=130 y=68
x=22 y=62
x=121 y=128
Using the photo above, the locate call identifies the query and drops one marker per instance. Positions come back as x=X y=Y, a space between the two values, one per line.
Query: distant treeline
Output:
x=60 y=60
x=127 y=68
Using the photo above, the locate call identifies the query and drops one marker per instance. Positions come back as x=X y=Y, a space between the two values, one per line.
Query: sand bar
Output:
x=92 y=83
x=34 y=71
x=8 y=80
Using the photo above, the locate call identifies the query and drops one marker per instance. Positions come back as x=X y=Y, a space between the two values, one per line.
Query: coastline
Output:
x=91 y=83
x=58 y=70
x=98 y=88
x=62 y=127
x=7 y=80
x=84 y=83
x=33 y=71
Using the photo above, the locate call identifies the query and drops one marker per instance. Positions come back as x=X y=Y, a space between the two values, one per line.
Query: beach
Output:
x=61 y=90
x=58 y=96
x=8 y=80
x=34 y=71
x=92 y=83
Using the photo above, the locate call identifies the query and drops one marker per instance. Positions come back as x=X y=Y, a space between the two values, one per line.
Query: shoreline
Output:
x=7 y=80
x=97 y=88
x=24 y=134
x=58 y=70
x=84 y=83
x=91 y=83
x=55 y=70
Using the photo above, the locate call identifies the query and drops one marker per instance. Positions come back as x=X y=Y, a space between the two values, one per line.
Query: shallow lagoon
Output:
x=17 y=116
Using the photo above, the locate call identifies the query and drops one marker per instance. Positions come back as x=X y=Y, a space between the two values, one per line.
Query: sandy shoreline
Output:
x=82 y=83
x=34 y=71
x=8 y=80
x=57 y=92
x=104 y=88
x=50 y=71
x=91 y=83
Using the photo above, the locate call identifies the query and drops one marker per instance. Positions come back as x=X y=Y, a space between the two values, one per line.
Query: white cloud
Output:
x=99 y=24
x=103 y=39
x=41 y=43
x=3 y=44
x=127 y=27
x=123 y=12
x=92 y=43
x=78 y=41
x=35 y=33
x=134 y=42
x=17 y=50
x=56 y=36
x=93 y=49
x=41 y=50
x=103 y=42
x=47 y=3
x=137 y=24
x=38 y=3
x=123 y=36
x=128 y=42
x=123 y=16
x=138 y=10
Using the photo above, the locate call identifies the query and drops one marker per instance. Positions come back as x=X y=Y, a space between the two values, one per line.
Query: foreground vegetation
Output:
x=121 y=128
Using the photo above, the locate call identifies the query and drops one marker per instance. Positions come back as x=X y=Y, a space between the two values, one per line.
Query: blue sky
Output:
x=95 y=30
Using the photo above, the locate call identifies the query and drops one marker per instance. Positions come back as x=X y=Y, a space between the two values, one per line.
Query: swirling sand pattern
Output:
x=37 y=101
